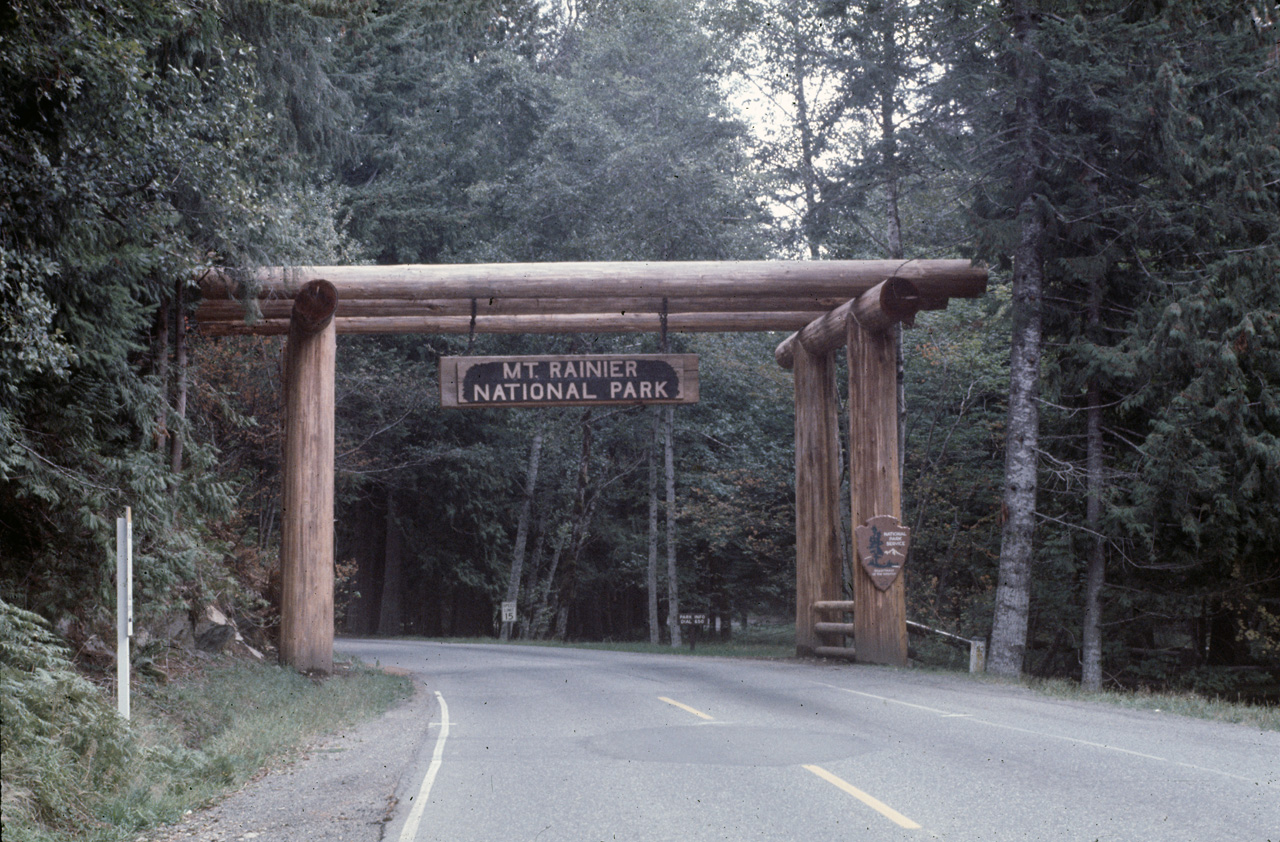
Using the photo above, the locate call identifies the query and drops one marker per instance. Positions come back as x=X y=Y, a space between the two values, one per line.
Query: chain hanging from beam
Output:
x=663 y=321
x=471 y=331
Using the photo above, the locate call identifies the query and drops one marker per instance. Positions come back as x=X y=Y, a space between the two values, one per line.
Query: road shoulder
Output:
x=341 y=788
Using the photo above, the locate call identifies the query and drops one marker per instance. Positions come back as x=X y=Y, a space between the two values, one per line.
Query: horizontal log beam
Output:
x=887 y=303
x=230 y=310
x=688 y=279
x=600 y=323
x=833 y=605
x=834 y=628
x=835 y=652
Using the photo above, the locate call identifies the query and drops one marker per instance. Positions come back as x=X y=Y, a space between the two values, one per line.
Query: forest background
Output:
x=1092 y=469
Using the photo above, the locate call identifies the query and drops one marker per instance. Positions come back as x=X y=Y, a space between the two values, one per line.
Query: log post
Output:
x=306 y=543
x=818 y=562
x=880 y=617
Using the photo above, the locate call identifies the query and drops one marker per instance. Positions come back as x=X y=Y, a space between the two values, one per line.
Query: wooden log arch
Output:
x=826 y=303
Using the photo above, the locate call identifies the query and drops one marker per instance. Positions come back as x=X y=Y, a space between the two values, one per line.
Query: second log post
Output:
x=880 y=617
x=306 y=545
x=818 y=559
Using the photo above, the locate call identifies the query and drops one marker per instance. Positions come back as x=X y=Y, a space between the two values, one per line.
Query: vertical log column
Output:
x=879 y=617
x=306 y=545
x=818 y=560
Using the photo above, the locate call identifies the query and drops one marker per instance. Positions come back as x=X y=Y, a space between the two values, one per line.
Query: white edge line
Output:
x=410 y=829
x=893 y=701
x=1044 y=734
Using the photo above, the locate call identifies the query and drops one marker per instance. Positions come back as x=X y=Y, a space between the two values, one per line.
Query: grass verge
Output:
x=1262 y=717
x=73 y=771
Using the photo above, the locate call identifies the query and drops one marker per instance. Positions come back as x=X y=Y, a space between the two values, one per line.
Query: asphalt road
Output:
x=529 y=743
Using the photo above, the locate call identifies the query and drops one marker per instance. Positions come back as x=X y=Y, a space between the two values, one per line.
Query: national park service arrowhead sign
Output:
x=882 y=547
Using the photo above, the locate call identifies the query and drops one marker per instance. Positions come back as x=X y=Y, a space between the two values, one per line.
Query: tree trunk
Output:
x=673 y=579
x=892 y=184
x=1095 y=572
x=1013 y=590
x=390 y=615
x=655 y=631
x=888 y=133
x=582 y=509
x=364 y=542
x=160 y=354
x=799 y=75
x=180 y=364
x=533 y=584
x=542 y=615
x=522 y=529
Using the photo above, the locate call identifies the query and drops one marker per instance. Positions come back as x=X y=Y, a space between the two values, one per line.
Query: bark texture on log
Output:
x=314 y=306
x=555 y=323
x=842 y=279
x=880 y=617
x=818 y=561
x=226 y=310
x=306 y=547
x=884 y=305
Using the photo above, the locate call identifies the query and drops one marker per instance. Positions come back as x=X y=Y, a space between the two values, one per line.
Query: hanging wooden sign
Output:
x=882 y=548
x=586 y=380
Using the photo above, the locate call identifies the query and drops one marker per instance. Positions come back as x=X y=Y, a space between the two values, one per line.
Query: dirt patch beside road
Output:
x=342 y=788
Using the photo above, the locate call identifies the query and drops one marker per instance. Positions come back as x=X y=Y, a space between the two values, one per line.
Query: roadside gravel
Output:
x=342 y=789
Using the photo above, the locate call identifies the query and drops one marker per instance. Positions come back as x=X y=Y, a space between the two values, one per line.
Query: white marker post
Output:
x=124 y=607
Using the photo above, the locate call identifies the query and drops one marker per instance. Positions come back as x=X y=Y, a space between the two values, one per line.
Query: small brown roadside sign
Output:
x=882 y=548
x=582 y=380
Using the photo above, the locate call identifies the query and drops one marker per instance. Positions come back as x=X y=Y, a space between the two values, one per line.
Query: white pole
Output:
x=124 y=607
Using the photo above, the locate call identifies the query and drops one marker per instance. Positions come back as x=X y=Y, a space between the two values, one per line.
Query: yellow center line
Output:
x=874 y=803
x=683 y=707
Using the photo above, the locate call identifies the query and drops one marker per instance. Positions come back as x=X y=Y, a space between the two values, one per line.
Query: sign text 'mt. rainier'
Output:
x=617 y=379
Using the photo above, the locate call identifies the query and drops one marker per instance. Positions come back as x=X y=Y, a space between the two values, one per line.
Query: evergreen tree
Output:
x=133 y=157
x=1106 y=139
x=639 y=158
x=450 y=102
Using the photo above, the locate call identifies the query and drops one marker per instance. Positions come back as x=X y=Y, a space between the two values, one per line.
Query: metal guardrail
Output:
x=977 y=648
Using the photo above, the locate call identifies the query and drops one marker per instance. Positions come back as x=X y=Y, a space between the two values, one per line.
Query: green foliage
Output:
x=73 y=769
x=30 y=346
x=957 y=389
x=449 y=103
x=142 y=141
x=1161 y=256
x=736 y=474
x=134 y=154
x=63 y=745
x=638 y=158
